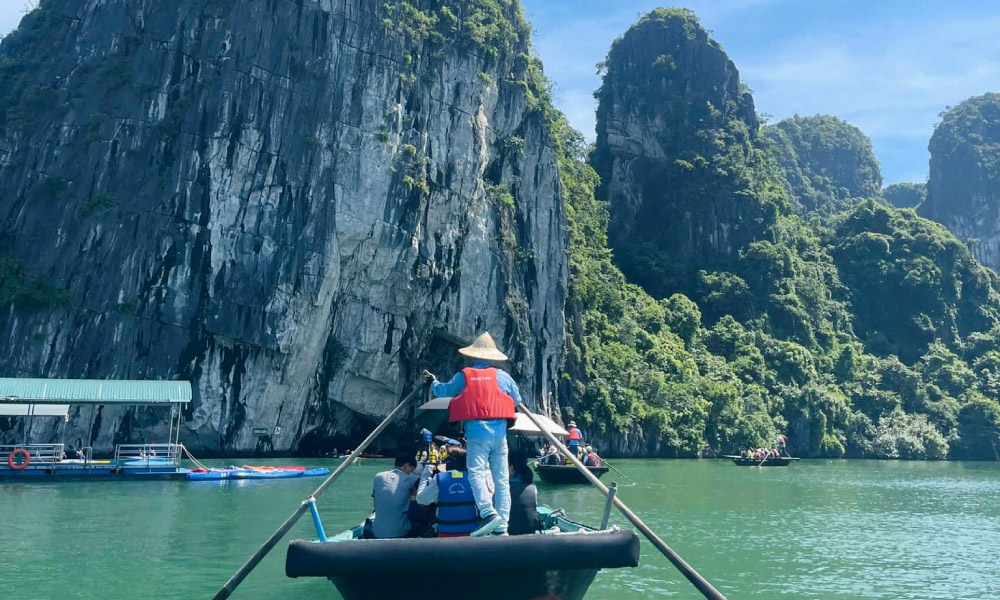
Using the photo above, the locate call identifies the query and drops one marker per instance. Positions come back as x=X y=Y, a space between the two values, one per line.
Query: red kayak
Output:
x=267 y=468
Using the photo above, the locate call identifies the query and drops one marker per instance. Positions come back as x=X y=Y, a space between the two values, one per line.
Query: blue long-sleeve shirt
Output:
x=480 y=429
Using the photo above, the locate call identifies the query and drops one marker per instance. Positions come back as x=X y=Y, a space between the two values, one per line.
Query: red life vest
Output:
x=482 y=399
x=574 y=435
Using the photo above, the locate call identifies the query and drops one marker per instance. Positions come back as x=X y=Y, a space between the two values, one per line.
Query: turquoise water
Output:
x=818 y=529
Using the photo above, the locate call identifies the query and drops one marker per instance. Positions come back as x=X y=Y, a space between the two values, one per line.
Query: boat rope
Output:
x=285 y=527
x=191 y=457
x=687 y=570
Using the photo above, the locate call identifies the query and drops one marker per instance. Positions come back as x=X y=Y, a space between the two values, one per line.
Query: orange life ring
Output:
x=14 y=465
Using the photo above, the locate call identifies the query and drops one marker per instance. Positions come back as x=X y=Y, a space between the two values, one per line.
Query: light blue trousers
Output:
x=487 y=456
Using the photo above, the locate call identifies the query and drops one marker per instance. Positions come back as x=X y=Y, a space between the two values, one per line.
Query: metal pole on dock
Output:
x=266 y=547
x=687 y=570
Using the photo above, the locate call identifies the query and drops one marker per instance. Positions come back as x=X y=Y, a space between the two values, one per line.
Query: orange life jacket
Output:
x=482 y=399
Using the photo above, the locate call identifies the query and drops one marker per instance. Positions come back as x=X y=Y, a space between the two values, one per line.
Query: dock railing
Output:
x=42 y=455
x=147 y=456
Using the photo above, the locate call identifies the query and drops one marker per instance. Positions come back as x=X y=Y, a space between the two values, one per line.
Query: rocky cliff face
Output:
x=675 y=152
x=296 y=205
x=829 y=165
x=963 y=188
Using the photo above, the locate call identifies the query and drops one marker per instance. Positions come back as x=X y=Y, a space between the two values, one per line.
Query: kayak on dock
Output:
x=560 y=561
x=566 y=473
x=770 y=461
x=250 y=472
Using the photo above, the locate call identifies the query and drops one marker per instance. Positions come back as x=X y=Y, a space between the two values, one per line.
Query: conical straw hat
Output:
x=483 y=348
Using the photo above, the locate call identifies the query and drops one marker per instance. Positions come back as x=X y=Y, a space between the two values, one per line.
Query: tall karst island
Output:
x=300 y=205
x=296 y=206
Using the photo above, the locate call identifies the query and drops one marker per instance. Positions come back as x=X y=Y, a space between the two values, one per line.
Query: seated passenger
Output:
x=524 y=497
x=451 y=490
x=391 y=494
x=590 y=458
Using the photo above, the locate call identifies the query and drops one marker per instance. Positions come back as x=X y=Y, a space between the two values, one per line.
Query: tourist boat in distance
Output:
x=770 y=461
x=559 y=562
x=566 y=473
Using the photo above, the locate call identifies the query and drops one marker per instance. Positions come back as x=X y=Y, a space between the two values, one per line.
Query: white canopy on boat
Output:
x=523 y=426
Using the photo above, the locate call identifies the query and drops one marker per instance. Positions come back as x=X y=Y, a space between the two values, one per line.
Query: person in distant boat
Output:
x=391 y=494
x=590 y=458
x=451 y=490
x=524 y=497
x=574 y=439
x=485 y=400
x=782 y=443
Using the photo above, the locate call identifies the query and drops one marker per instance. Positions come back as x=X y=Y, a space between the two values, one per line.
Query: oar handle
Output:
x=687 y=570
x=266 y=547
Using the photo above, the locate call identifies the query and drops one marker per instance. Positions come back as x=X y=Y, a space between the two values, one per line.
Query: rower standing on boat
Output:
x=484 y=401
x=574 y=439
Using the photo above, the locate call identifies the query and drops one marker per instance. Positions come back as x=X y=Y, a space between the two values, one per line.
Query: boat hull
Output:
x=522 y=567
x=493 y=585
x=566 y=473
x=779 y=461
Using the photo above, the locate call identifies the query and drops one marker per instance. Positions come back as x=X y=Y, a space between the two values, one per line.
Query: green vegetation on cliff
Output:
x=963 y=185
x=829 y=165
x=905 y=195
x=872 y=335
x=965 y=159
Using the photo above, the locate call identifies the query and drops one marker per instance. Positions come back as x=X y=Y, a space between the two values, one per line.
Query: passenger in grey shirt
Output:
x=391 y=492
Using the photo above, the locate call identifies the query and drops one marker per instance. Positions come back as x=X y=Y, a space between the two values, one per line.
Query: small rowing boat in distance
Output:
x=566 y=473
x=771 y=461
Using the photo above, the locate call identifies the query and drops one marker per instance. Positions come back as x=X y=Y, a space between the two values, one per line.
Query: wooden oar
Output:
x=612 y=467
x=266 y=547
x=687 y=570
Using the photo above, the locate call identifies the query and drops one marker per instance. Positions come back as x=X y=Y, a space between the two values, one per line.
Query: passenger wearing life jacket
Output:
x=590 y=458
x=451 y=490
x=484 y=401
x=574 y=439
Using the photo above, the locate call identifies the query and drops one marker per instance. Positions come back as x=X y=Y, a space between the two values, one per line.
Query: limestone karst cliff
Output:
x=676 y=154
x=296 y=205
x=963 y=187
x=828 y=164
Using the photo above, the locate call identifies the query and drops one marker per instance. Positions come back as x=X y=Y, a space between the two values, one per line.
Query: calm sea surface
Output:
x=818 y=529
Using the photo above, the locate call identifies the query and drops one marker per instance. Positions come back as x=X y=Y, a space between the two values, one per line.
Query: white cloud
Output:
x=890 y=72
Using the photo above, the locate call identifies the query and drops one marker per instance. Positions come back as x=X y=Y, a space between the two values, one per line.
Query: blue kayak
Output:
x=213 y=474
x=254 y=473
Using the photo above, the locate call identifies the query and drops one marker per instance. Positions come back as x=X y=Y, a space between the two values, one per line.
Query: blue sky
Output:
x=889 y=66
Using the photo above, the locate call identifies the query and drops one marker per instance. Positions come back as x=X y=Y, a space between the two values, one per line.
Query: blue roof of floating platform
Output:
x=92 y=391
